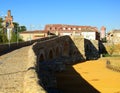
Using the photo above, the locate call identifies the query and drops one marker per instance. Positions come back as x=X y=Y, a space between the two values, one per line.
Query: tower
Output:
x=9 y=20
x=102 y=32
x=8 y=25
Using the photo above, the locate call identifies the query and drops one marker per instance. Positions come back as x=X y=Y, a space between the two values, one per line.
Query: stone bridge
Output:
x=52 y=49
x=22 y=67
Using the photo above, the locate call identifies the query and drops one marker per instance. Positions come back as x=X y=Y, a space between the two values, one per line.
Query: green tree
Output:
x=0 y=36
x=1 y=21
x=22 y=28
x=15 y=37
x=3 y=37
x=16 y=27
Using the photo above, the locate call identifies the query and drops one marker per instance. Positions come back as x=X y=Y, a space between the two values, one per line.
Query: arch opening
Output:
x=41 y=58
x=66 y=49
x=50 y=55
x=57 y=52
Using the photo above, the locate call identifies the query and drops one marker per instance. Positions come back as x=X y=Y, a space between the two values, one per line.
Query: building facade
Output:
x=87 y=32
x=32 y=35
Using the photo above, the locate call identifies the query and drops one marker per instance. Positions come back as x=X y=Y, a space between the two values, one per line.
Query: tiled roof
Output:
x=35 y=31
x=72 y=27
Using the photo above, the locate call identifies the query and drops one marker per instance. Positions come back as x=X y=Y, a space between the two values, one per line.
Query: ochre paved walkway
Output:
x=12 y=70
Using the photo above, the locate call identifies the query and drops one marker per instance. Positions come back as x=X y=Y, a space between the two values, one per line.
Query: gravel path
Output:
x=12 y=70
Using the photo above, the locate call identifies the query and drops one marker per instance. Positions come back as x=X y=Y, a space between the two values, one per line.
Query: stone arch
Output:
x=57 y=52
x=50 y=54
x=41 y=56
x=65 y=49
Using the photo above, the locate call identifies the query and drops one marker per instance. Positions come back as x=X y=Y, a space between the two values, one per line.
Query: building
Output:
x=113 y=36
x=32 y=35
x=87 y=32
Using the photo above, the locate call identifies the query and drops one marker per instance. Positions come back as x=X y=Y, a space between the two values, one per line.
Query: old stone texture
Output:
x=110 y=48
x=31 y=81
x=82 y=49
x=91 y=49
x=18 y=68
x=12 y=71
x=16 y=75
x=77 y=49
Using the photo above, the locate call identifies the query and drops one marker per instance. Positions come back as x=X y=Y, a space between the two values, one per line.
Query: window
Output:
x=74 y=28
x=55 y=28
x=50 y=28
x=64 y=28
x=69 y=28
x=79 y=28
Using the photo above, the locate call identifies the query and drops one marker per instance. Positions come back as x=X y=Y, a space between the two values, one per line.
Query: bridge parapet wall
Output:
x=31 y=80
x=5 y=48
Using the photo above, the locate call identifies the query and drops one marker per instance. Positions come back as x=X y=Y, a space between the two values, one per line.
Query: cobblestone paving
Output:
x=12 y=71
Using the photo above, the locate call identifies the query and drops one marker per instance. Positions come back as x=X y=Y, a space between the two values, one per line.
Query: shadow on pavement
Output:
x=70 y=81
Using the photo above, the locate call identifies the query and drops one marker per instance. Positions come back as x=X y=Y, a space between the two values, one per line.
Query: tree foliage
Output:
x=3 y=37
x=22 y=28
x=18 y=28
x=15 y=37
x=15 y=33
x=1 y=21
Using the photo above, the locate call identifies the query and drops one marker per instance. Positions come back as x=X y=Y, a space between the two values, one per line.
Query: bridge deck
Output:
x=12 y=70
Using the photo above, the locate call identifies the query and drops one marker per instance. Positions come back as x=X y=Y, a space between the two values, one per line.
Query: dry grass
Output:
x=113 y=49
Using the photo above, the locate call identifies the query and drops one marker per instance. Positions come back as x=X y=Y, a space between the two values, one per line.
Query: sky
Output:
x=35 y=14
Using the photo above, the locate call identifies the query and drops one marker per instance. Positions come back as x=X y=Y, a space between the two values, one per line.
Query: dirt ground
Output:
x=89 y=77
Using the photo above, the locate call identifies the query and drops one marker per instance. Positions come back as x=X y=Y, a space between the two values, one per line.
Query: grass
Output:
x=108 y=55
x=114 y=63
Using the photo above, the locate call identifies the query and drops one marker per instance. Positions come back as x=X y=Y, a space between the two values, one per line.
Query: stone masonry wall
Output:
x=31 y=80
x=77 y=50
x=91 y=49
x=82 y=49
x=4 y=48
x=111 y=48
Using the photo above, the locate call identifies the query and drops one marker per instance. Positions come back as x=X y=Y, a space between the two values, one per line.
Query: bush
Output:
x=106 y=55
